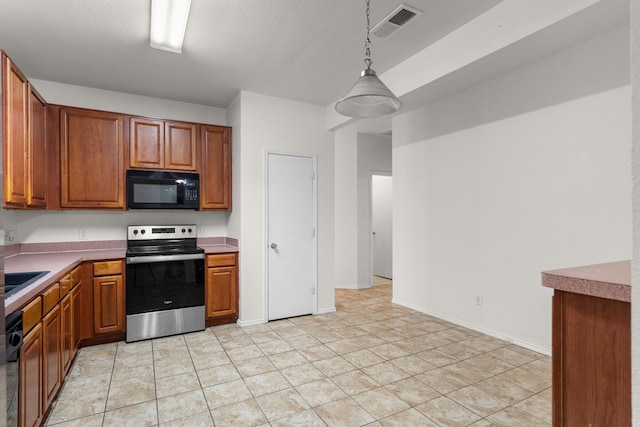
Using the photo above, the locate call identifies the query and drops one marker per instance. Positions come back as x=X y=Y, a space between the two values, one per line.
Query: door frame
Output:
x=371 y=174
x=265 y=245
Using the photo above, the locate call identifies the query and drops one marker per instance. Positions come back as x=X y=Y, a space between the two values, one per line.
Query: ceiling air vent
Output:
x=395 y=21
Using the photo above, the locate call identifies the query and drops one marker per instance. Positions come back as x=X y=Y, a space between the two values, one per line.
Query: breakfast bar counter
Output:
x=591 y=347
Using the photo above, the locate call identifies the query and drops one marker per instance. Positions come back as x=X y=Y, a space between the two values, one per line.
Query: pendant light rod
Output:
x=369 y=97
x=367 y=43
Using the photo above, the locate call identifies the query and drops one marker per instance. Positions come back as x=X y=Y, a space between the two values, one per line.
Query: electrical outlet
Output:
x=82 y=234
x=478 y=299
x=202 y=231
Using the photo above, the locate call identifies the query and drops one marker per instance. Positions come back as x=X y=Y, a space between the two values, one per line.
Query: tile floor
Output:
x=370 y=363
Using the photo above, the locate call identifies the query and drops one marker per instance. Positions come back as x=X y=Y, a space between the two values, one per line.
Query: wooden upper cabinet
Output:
x=91 y=159
x=180 y=146
x=37 y=164
x=15 y=100
x=215 y=177
x=159 y=144
x=146 y=145
x=24 y=140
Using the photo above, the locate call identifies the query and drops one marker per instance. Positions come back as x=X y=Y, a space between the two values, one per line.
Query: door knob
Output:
x=274 y=246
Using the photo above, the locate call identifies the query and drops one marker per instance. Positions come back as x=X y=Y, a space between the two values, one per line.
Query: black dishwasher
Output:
x=13 y=333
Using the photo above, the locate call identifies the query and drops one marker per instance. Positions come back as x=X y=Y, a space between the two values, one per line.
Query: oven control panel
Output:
x=156 y=232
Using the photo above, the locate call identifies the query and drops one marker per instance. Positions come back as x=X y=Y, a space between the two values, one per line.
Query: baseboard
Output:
x=529 y=346
x=243 y=323
x=326 y=310
x=367 y=286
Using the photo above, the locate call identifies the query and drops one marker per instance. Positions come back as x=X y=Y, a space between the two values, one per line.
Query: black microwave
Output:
x=162 y=190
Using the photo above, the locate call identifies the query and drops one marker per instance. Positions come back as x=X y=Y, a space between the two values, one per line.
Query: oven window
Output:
x=155 y=193
x=164 y=286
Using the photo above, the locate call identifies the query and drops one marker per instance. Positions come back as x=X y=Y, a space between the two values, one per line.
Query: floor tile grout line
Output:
x=348 y=321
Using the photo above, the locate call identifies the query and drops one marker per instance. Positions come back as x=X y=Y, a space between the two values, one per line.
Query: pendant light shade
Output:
x=369 y=97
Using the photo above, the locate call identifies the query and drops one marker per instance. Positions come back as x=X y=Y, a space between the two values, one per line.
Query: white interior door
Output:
x=291 y=238
x=382 y=229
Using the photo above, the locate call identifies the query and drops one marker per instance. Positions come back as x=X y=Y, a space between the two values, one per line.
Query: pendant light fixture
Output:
x=369 y=97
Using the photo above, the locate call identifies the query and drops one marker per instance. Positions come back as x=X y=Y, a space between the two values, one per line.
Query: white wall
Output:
x=63 y=226
x=346 y=208
x=98 y=99
x=374 y=155
x=234 y=119
x=268 y=123
x=524 y=173
x=635 y=263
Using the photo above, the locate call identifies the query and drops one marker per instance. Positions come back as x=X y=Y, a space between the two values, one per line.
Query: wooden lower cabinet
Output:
x=66 y=309
x=221 y=289
x=108 y=304
x=49 y=346
x=76 y=322
x=31 y=407
x=52 y=354
x=591 y=359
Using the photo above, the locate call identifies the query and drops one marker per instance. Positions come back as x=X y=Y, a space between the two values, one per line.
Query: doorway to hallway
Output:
x=381 y=226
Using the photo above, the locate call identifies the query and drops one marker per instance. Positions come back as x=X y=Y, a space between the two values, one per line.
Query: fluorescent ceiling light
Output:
x=168 y=24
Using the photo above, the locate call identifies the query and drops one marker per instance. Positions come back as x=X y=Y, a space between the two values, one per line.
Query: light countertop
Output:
x=60 y=259
x=610 y=280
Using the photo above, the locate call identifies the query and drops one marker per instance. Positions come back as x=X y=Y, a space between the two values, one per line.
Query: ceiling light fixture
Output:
x=168 y=24
x=369 y=97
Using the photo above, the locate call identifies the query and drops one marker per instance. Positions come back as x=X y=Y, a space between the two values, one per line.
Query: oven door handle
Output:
x=162 y=258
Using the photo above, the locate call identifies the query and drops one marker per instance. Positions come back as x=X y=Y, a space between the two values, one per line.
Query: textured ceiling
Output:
x=306 y=50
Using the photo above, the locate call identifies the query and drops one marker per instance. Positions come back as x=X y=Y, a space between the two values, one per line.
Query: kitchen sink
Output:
x=13 y=282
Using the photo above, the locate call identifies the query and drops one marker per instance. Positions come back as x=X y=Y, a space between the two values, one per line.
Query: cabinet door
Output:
x=37 y=168
x=108 y=305
x=76 y=316
x=30 y=400
x=146 y=146
x=221 y=294
x=591 y=358
x=15 y=88
x=180 y=146
x=215 y=177
x=52 y=354
x=91 y=159
x=67 y=332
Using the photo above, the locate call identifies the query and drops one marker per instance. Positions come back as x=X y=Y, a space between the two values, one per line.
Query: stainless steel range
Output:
x=164 y=281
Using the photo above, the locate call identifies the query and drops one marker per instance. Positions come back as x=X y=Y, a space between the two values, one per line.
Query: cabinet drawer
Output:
x=107 y=268
x=75 y=276
x=31 y=314
x=66 y=283
x=222 y=260
x=50 y=298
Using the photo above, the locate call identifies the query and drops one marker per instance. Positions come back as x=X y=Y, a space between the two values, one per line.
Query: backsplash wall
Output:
x=73 y=226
